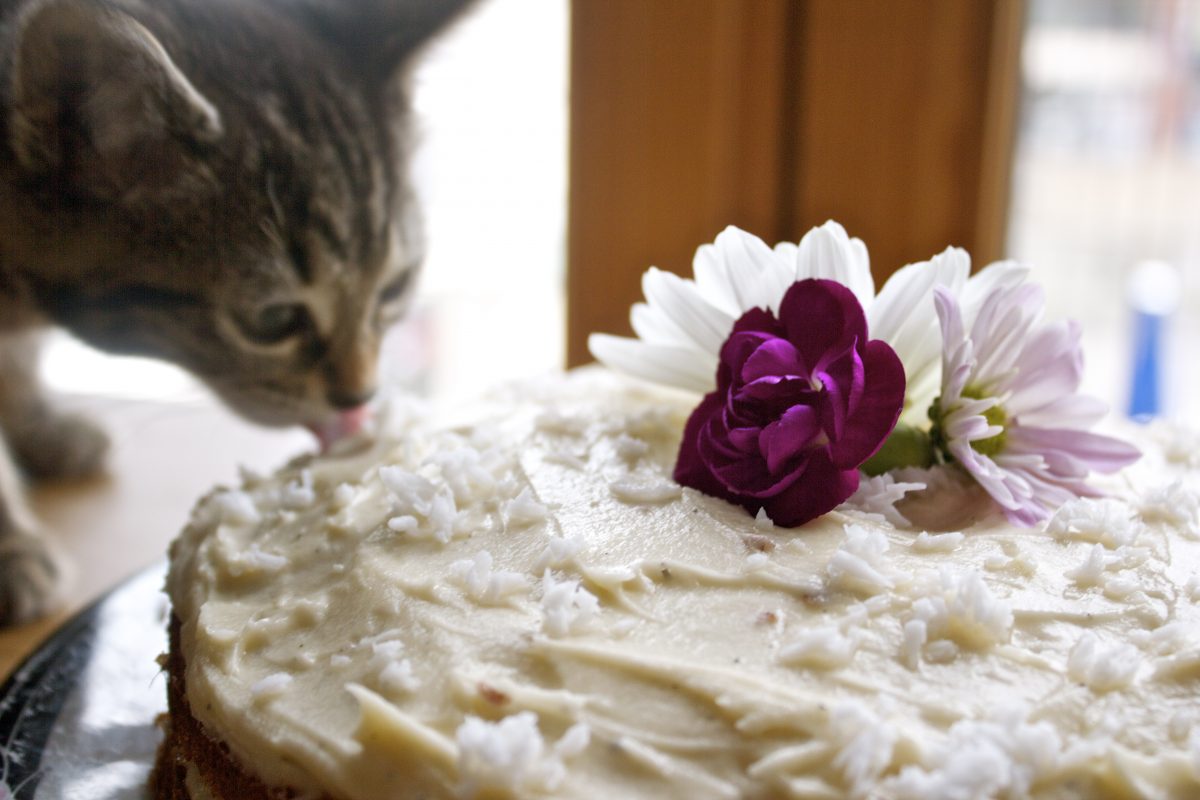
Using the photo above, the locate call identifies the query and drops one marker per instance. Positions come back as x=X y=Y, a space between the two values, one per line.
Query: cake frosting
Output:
x=520 y=601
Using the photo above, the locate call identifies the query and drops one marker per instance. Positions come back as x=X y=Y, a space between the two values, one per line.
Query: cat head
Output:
x=221 y=183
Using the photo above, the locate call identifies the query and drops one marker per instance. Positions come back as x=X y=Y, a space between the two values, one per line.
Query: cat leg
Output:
x=29 y=575
x=45 y=442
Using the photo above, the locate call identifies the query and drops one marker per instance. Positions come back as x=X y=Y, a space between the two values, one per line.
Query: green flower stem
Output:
x=907 y=446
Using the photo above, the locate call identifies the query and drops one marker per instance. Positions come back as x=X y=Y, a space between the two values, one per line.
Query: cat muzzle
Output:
x=340 y=425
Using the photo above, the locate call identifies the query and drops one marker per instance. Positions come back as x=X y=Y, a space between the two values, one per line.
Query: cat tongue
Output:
x=340 y=425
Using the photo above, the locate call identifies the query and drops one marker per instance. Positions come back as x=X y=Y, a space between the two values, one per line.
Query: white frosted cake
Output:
x=523 y=603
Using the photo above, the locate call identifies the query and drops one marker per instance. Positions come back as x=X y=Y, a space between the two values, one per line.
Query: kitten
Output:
x=213 y=182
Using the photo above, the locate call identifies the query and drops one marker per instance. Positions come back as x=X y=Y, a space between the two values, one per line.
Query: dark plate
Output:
x=77 y=718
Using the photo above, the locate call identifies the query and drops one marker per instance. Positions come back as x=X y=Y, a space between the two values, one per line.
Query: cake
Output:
x=856 y=545
x=520 y=601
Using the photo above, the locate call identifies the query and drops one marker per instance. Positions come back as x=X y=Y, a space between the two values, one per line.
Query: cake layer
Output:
x=523 y=603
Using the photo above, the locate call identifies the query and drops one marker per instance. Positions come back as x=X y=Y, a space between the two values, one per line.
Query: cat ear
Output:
x=381 y=36
x=95 y=93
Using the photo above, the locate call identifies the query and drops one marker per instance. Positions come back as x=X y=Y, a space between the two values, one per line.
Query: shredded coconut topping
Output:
x=937 y=542
x=398 y=677
x=1101 y=668
x=859 y=565
x=236 y=507
x=299 y=493
x=643 y=489
x=1174 y=503
x=864 y=742
x=511 y=755
x=877 y=496
x=823 y=648
x=1105 y=520
x=959 y=606
x=1091 y=570
x=630 y=448
x=344 y=495
x=567 y=607
x=477 y=578
x=271 y=686
x=1001 y=757
x=560 y=551
x=762 y=521
x=256 y=559
x=524 y=510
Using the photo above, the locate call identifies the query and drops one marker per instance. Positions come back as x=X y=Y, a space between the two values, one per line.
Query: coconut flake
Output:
x=1091 y=569
x=1101 y=668
x=1001 y=757
x=1104 y=520
x=1173 y=503
x=405 y=523
x=1191 y=589
x=565 y=458
x=270 y=687
x=937 y=542
x=567 y=607
x=556 y=422
x=236 y=507
x=916 y=633
x=481 y=582
x=411 y=491
x=960 y=606
x=524 y=510
x=398 y=677
x=298 y=493
x=642 y=490
x=859 y=564
x=257 y=559
x=762 y=521
x=630 y=448
x=344 y=495
x=876 y=497
x=823 y=648
x=560 y=551
x=1121 y=586
x=510 y=756
x=864 y=742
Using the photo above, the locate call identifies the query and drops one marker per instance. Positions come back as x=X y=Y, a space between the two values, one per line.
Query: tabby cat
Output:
x=214 y=182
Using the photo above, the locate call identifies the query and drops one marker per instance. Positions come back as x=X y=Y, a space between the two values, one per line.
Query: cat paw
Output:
x=61 y=447
x=29 y=579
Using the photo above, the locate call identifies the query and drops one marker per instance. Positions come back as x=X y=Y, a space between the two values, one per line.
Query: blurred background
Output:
x=564 y=147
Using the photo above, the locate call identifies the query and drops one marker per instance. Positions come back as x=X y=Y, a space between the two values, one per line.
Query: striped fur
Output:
x=219 y=183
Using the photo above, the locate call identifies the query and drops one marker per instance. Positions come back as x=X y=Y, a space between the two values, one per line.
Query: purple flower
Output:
x=1009 y=412
x=801 y=402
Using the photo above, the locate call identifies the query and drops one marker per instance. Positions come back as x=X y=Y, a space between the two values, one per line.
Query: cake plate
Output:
x=77 y=717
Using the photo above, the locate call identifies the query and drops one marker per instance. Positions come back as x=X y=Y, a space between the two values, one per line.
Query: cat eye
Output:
x=395 y=290
x=273 y=323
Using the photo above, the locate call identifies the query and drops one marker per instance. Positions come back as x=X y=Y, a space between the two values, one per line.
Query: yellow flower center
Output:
x=995 y=416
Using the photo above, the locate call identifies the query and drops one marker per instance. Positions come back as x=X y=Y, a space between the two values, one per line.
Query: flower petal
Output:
x=902 y=314
x=775 y=358
x=682 y=367
x=681 y=302
x=1051 y=368
x=690 y=469
x=1094 y=451
x=739 y=272
x=788 y=436
x=822 y=319
x=822 y=488
x=877 y=411
x=828 y=252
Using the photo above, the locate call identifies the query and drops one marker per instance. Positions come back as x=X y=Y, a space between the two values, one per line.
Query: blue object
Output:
x=1145 y=391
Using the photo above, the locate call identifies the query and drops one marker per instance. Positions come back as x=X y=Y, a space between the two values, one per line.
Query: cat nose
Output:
x=344 y=399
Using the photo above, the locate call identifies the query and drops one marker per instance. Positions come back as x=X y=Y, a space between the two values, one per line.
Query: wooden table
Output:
x=165 y=455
